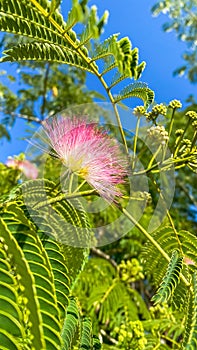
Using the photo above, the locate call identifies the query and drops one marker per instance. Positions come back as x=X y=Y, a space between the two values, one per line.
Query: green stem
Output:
x=61 y=197
x=116 y=112
x=167 y=164
x=194 y=140
x=146 y=234
x=81 y=185
x=153 y=158
x=171 y=340
x=180 y=139
x=70 y=183
x=135 y=141
x=174 y=229
x=169 y=133
x=171 y=124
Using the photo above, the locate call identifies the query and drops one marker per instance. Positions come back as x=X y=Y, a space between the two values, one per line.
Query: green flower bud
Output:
x=191 y=114
x=175 y=104
x=159 y=109
x=186 y=142
x=139 y=111
x=179 y=132
x=194 y=124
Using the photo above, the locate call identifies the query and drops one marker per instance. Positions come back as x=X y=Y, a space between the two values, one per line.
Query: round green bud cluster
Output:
x=175 y=104
x=139 y=111
x=186 y=147
x=131 y=271
x=131 y=336
x=186 y=142
x=191 y=114
x=179 y=132
x=158 y=134
x=162 y=310
x=194 y=124
x=146 y=195
x=159 y=109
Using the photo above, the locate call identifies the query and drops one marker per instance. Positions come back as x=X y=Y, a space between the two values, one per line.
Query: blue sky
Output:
x=161 y=51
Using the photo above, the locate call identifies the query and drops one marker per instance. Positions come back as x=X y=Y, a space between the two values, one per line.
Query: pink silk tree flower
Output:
x=26 y=167
x=89 y=152
x=188 y=261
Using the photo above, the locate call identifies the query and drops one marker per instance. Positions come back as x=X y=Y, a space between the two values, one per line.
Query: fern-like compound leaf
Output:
x=139 y=90
x=22 y=18
x=17 y=288
x=96 y=343
x=39 y=264
x=45 y=52
x=71 y=325
x=56 y=41
x=86 y=334
x=33 y=20
x=125 y=58
x=170 y=280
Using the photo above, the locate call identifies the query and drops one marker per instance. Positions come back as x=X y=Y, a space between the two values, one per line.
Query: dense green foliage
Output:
x=57 y=291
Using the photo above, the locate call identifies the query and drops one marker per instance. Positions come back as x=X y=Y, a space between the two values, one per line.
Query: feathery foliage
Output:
x=53 y=40
x=170 y=280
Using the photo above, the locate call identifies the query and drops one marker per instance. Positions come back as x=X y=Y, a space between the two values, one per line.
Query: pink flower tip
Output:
x=188 y=261
x=25 y=166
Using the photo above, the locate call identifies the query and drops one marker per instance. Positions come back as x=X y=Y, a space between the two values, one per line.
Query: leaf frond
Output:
x=45 y=52
x=170 y=280
x=139 y=90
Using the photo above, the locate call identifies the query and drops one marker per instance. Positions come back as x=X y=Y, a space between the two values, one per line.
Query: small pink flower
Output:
x=188 y=261
x=26 y=167
x=88 y=152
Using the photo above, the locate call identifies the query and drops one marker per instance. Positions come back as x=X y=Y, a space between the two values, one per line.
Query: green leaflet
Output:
x=71 y=326
x=20 y=285
x=24 y=18
x=40 y=269
x=190 y=336
x=77 y=331
x=170 y=280
x=54 y=5
x=60 y=272
x=139 y=90
x=86 y=334
x=96 y=343
x=125 y=58
x=45 y=52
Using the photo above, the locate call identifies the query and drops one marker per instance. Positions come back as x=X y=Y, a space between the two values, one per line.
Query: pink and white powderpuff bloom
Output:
x=89 y=152
x=26 y=167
